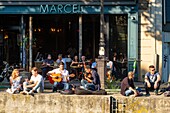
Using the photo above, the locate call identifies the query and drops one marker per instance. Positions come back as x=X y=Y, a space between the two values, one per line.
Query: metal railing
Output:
x=117 y=106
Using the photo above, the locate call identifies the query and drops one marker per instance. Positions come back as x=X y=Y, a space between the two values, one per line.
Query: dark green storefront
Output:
x=27 y=10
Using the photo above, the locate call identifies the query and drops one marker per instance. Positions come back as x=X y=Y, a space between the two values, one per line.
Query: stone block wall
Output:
x=57 y=103
x=53 y=103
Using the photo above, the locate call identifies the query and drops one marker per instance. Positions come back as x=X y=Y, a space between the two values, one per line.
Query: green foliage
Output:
x=112 y=84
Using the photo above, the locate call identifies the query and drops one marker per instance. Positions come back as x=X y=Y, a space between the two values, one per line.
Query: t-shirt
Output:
x=40 y=81
x=64 y=73
x=109 y=65
x=152 y=78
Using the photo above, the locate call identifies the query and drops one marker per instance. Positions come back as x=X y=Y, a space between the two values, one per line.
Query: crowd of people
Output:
x=60 y=75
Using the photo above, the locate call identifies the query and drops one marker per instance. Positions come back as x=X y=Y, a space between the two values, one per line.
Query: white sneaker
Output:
x=9 y=91
x=31 y=93
x=82 y=87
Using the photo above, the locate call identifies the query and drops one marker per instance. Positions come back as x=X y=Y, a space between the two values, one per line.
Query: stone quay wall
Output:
x=57 y=103
x=53 y=103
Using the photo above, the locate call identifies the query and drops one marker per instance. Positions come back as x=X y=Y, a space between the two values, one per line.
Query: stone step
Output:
x=47 y=84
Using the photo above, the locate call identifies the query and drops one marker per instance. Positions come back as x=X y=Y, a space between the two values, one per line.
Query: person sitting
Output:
x=128 y=87
x=68 y=61
x=152 y=80
x=60 y=82
x=60 y=59
x=87 y=82
x=75 y=61
x=83 y=63
x=47 y=65
x=94 y=66
x=92 y=79
x=109 y=66
x=35 y=84
x=15 y=81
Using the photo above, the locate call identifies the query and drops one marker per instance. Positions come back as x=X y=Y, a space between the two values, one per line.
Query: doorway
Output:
x=118 y=43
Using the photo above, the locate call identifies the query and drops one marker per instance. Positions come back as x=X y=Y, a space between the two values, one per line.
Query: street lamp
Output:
x=101 y=61
x=102 y=40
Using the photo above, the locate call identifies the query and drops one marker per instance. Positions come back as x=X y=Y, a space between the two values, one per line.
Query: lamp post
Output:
x=102 y=40
x=101 y=61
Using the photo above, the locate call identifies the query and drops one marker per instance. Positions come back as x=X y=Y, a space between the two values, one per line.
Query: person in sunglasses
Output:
x=152 y=80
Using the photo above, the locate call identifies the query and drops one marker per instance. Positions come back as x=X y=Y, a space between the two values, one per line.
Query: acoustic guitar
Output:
x=57 y=77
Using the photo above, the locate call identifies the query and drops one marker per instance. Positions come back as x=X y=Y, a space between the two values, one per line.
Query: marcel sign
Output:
x=67 y=8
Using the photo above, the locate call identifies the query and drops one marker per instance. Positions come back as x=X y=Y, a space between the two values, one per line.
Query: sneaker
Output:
x=16 y=92
x=82 y=87
x=147 y=94
x=23 y=92
x=30 y=93
x=156 y=92
x=9 y=91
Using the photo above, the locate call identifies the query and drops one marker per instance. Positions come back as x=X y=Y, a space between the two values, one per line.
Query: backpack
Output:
x=167 y=94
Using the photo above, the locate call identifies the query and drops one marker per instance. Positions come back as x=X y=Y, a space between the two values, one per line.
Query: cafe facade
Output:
x=31 y=27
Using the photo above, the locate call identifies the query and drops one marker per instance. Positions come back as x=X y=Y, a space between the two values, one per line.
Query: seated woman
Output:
x=75 y=66
x=15 y=81
x=75 y=61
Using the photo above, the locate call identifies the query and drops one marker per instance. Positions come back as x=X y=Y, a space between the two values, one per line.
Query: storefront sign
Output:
x=67 y=8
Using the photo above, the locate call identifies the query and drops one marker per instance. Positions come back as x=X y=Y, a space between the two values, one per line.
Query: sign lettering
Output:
x=68 y=8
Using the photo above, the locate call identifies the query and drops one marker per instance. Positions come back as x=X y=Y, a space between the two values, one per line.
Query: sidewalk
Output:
x=48 y=87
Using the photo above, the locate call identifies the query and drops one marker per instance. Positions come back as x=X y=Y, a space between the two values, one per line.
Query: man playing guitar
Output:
x=91 y=80
x=60 y=77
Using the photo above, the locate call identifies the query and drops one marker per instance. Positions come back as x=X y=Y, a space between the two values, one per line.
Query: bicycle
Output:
x=6 y=72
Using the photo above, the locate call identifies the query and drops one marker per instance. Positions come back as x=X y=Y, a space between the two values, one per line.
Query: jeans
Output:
x=152 y=87
x=130 y=92
x=87 y=85
x=38 y=88
x=60 y=86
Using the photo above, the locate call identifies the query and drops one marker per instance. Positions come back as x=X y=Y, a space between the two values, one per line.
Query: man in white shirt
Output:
x=36 y=83
x=64 y=75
